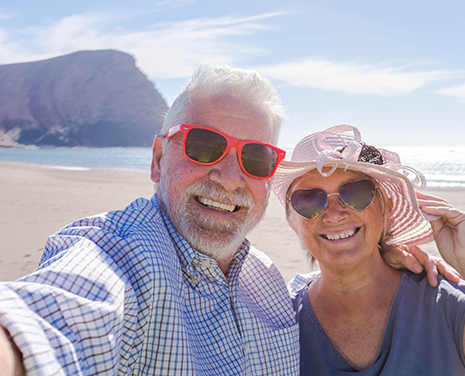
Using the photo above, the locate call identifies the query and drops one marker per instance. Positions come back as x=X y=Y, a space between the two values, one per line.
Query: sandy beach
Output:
x=37 y=201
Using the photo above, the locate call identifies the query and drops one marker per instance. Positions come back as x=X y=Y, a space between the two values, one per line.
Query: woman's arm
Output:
x=448 y=230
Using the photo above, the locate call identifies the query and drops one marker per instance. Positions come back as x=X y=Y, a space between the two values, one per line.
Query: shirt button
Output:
x=247 y=349
x=206 y=263
x=194 y=281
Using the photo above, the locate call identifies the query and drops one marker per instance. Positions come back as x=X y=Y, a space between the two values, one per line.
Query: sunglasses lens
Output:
x=259 y=160
x=309 y=202
x=358 y=194
x=204 y=146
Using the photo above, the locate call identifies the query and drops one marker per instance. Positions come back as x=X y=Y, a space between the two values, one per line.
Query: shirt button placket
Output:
x=206 y=263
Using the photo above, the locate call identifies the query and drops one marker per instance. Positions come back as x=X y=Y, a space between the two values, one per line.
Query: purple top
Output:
x=423 y=334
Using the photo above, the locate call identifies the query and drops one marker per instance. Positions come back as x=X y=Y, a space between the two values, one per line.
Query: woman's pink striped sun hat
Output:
x=341 y=147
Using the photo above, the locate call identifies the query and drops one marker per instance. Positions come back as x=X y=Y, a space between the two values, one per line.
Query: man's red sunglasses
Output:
x=206 y=146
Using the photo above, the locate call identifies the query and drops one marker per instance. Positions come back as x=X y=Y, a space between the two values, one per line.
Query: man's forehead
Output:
x=225 y=103
x=235 y=113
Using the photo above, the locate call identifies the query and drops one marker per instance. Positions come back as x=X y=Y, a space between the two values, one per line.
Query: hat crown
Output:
x=344 y=142
x=340 y=142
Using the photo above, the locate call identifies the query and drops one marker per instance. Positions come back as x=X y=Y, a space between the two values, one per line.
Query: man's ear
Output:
x=157 y=153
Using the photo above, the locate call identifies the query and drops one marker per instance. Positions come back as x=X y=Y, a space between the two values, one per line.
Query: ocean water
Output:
x=442 y=166
x=130 y=159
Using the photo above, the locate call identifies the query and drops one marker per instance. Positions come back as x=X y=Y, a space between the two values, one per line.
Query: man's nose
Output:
x=228 y=172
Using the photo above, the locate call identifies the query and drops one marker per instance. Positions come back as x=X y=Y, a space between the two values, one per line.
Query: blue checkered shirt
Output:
x=124 y=294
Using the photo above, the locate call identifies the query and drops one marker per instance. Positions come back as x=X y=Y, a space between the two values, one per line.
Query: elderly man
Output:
x=169 y=286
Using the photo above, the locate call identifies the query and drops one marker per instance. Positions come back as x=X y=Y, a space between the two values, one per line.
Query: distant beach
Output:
x=442 y=166
x=36 y=201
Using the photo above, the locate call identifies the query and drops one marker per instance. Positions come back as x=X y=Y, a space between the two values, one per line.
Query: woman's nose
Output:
x=335 y=210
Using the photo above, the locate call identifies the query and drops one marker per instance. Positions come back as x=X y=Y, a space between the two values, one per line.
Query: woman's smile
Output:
x=342 y=235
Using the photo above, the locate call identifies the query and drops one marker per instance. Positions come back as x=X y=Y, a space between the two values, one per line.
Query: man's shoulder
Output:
x=122 y=221
x=260 y=257
x=259 y=265
x=139 y=228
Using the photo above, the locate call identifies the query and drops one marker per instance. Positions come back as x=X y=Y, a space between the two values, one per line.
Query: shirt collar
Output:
x=189 y=256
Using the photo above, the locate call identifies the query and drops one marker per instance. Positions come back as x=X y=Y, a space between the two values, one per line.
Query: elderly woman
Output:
x=349 y=202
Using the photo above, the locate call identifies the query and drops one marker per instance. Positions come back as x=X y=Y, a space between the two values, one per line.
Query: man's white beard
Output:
x=219 y=239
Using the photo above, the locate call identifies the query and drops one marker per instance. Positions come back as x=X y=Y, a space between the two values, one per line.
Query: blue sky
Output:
x=395 y=69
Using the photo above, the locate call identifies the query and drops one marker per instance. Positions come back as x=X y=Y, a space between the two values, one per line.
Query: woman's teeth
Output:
x=344 y=235
x=216 y=205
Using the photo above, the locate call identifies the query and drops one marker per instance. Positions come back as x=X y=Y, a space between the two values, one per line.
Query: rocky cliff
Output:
x=87 y=98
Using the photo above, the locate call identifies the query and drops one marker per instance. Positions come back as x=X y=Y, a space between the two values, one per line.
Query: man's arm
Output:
x=11 y=359
x=417 y=260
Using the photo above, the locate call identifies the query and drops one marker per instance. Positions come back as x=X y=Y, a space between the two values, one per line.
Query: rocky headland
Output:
x=87 y=98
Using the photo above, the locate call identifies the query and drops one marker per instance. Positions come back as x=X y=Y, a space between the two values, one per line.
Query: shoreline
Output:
x=37 y=201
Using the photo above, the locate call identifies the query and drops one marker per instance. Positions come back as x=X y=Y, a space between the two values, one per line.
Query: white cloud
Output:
x=455 y=91
x=169 y=4
x=4 y=16
x=164 y=50
x=174 y=49
x=353 y=78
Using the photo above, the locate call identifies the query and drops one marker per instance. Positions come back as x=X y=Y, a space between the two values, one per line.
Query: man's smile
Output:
x=216 y=205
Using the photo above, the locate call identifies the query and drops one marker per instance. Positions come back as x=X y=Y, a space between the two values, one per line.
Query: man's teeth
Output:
x=344 y=235
x=216 y=205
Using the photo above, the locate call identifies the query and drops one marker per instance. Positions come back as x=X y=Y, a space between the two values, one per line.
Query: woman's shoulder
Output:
x=301 y=281
x=445 y=290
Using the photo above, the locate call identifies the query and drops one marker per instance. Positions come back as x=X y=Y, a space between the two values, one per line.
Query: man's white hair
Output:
x=215 y=80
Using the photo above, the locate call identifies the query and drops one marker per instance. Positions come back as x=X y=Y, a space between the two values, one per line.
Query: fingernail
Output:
x=417 y=267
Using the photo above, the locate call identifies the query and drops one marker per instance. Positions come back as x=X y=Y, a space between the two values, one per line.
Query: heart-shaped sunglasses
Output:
x=309 y=203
